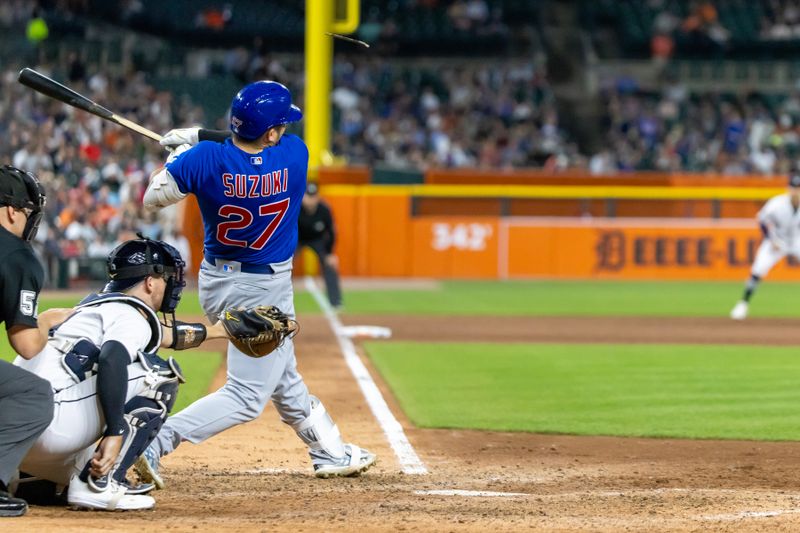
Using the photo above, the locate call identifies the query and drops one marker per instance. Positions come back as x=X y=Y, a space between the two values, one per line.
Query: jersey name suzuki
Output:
x=250 y=202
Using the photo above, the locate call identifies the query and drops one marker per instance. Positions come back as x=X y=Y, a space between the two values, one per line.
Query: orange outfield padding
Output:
x=627 y=249
x=454 y=247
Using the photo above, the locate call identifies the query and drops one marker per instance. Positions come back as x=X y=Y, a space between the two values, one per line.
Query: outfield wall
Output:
x=382 y=232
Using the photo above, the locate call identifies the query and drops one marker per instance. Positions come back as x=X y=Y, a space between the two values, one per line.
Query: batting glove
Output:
x=176 y=151
x=180 y=136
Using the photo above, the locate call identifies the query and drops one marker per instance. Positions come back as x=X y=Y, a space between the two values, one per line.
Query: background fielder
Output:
x=249 y=189
x=779 y=221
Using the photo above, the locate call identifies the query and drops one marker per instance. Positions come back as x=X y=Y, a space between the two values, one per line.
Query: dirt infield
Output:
x=690 y=330
x=256 y=477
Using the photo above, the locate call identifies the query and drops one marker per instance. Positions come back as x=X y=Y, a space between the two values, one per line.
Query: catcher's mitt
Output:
x=259 y=330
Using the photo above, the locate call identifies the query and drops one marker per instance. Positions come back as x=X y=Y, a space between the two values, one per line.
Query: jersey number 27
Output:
x=244 y=218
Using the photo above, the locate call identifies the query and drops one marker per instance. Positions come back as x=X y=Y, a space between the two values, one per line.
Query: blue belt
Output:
x=248 y=268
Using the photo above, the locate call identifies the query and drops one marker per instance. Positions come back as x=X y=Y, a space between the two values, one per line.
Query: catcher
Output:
x=109 y=383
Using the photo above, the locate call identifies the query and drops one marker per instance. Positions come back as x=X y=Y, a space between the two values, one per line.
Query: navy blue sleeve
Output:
x=112 y=386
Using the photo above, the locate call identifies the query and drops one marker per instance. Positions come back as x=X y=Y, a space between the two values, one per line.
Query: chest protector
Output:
x=80 y=357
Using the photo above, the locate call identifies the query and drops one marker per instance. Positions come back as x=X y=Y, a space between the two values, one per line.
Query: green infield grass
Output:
x=190 y=304
x=692 y=391
x=596 y=298
x=199 y=369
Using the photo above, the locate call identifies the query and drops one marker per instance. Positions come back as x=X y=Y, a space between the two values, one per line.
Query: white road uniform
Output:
x=63 y=450
x=783 y=226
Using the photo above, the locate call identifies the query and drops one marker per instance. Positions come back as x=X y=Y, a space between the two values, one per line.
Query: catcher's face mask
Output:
x=175 y=281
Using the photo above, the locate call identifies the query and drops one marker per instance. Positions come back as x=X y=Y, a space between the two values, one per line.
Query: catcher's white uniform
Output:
x=69 y=363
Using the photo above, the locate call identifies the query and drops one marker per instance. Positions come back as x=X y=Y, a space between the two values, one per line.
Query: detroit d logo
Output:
x=610 y=251
x=236 y=122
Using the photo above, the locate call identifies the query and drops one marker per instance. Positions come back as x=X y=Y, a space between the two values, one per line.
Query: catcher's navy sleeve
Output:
x=112 y=385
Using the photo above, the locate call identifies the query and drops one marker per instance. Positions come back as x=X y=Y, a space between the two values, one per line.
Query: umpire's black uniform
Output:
x=26 y=400
x=316 y=230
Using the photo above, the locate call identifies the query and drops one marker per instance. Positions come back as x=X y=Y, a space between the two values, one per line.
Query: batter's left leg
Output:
x=307 y=415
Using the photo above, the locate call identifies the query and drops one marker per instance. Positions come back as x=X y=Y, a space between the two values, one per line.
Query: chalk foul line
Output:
x=406 y=455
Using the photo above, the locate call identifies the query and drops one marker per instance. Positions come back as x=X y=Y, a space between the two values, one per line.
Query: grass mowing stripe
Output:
x=589 y=298
x=692 y=391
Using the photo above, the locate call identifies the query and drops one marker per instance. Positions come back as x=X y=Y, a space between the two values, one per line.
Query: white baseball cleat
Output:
x=739 y=311
x=81 y=496
x=355 y=462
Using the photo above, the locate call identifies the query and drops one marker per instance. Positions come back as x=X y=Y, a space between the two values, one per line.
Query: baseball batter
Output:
x=249 y=189
x=108 y=382
x=779 y=220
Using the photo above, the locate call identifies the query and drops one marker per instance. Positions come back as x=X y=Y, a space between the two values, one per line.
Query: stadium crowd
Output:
x=446 y=114
x=416 y=113
x=95 y=173
x=461 y=115
x=497 y=116
x=673 y=130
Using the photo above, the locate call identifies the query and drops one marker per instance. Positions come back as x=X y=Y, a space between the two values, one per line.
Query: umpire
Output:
x=316 y=231
x=26 y=401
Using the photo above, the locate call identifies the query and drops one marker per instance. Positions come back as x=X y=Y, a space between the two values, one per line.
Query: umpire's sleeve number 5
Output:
x=27 y=302
x=241 y=218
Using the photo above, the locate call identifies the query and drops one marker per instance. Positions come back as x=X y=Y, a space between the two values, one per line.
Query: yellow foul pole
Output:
x=319 y=60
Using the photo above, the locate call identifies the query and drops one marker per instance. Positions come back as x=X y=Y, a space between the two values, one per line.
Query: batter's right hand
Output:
x=180 y=136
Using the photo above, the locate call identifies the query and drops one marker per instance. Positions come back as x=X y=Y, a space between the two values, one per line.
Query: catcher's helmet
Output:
x=134 y=260
x=260 y=106
x=21 y=189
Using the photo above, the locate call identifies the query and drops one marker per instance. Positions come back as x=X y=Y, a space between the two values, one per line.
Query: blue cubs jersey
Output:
x=250 y=202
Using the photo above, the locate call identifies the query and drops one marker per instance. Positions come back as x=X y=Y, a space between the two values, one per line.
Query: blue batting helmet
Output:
x=260 y=106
